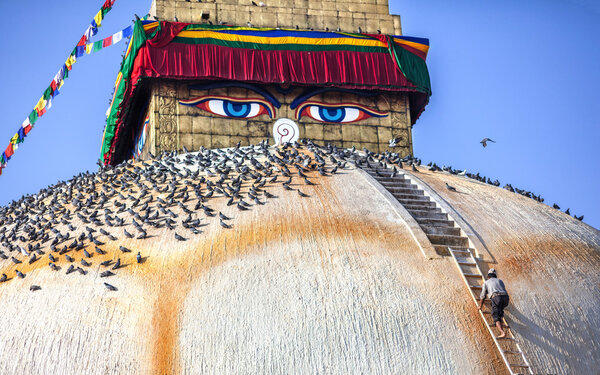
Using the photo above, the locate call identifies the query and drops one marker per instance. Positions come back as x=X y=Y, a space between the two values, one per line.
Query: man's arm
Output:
x=482 y=296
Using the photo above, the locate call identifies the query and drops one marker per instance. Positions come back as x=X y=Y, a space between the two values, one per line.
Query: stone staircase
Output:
x=447 y=240
x=440 y=230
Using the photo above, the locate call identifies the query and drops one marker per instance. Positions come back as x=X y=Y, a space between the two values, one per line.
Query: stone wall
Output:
x=348 y=15
x=173 y=125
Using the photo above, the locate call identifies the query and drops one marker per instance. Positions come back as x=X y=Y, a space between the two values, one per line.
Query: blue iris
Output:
x=332 y=114
x=235 y=109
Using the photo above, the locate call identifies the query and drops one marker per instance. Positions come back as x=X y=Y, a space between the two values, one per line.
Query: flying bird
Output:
x=394 y=142
x=484 y=141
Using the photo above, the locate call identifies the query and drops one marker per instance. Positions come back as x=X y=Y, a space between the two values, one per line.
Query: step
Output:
x=461 y=250
x=416 y=202
x=466 y=263
x=435 y=222
x=440 y=239
x=518 y=365
x=511 y=352
x=404 y=190
x=395 y=181
x=382 y=172
x=475 y=287
x=474 y=275
x=419 y=207
x=449 y=231
x=423 y=214
x=402 y=196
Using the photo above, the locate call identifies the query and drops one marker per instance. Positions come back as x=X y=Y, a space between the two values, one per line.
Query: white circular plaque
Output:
x=285 y=131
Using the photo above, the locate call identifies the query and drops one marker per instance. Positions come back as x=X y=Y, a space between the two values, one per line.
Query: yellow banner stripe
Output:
x=280 y=40
x=418 y=46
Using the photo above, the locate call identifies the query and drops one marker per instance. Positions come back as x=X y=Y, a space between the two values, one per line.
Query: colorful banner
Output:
x=45 y=102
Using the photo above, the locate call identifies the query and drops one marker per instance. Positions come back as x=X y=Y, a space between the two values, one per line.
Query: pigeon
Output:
x=414 y=169
x=302 y=194
x=568 y=211
x=224 y=225
x=112 y=288
x=394 y=142
x=106 y=263
x=179 y=238
x=450 y=187
x=117 y=264
x=20 y=274
x=3 y=278
x=33 y=288
x=138 y=257
x=223 y=217
x=84 y=263
x=124 y=249
x=484 y=141
x=70 y=269
x=107 y=274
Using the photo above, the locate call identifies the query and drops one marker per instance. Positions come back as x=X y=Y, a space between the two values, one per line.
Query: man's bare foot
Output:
x=502 y=335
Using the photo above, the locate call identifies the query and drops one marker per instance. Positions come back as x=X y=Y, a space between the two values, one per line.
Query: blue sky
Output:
x=524 y=73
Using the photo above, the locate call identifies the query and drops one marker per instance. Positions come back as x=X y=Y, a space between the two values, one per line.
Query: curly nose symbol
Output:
x=285 y=131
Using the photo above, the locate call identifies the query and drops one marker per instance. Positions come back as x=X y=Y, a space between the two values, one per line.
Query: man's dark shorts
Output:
x=499 y=302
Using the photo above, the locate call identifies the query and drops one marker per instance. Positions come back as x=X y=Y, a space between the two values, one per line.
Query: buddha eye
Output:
x=231 y=107
x=336 y=113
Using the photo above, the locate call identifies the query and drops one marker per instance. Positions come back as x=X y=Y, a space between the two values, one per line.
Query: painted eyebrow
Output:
x=312 y=92
x=256 y=89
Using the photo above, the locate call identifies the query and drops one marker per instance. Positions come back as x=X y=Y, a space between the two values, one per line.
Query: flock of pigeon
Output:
x=77 y=223
x=434 y=167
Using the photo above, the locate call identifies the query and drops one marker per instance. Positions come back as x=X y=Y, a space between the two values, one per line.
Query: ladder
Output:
x=508 y=347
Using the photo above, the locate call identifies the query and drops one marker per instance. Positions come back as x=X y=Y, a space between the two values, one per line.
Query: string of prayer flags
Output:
x=45 y=102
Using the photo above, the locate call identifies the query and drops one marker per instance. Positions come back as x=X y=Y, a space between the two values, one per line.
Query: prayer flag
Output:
x=9 y=151
x=128 y=32
x=98 y=18
x=106 y=42
x=80 y=50
x=22 y=135
x=33 y=116
x=88 y=48
x=117 y=37
x=97 y=46
x=89 y=33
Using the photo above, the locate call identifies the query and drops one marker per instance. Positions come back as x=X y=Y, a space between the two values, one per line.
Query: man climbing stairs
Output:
x=447 y=239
